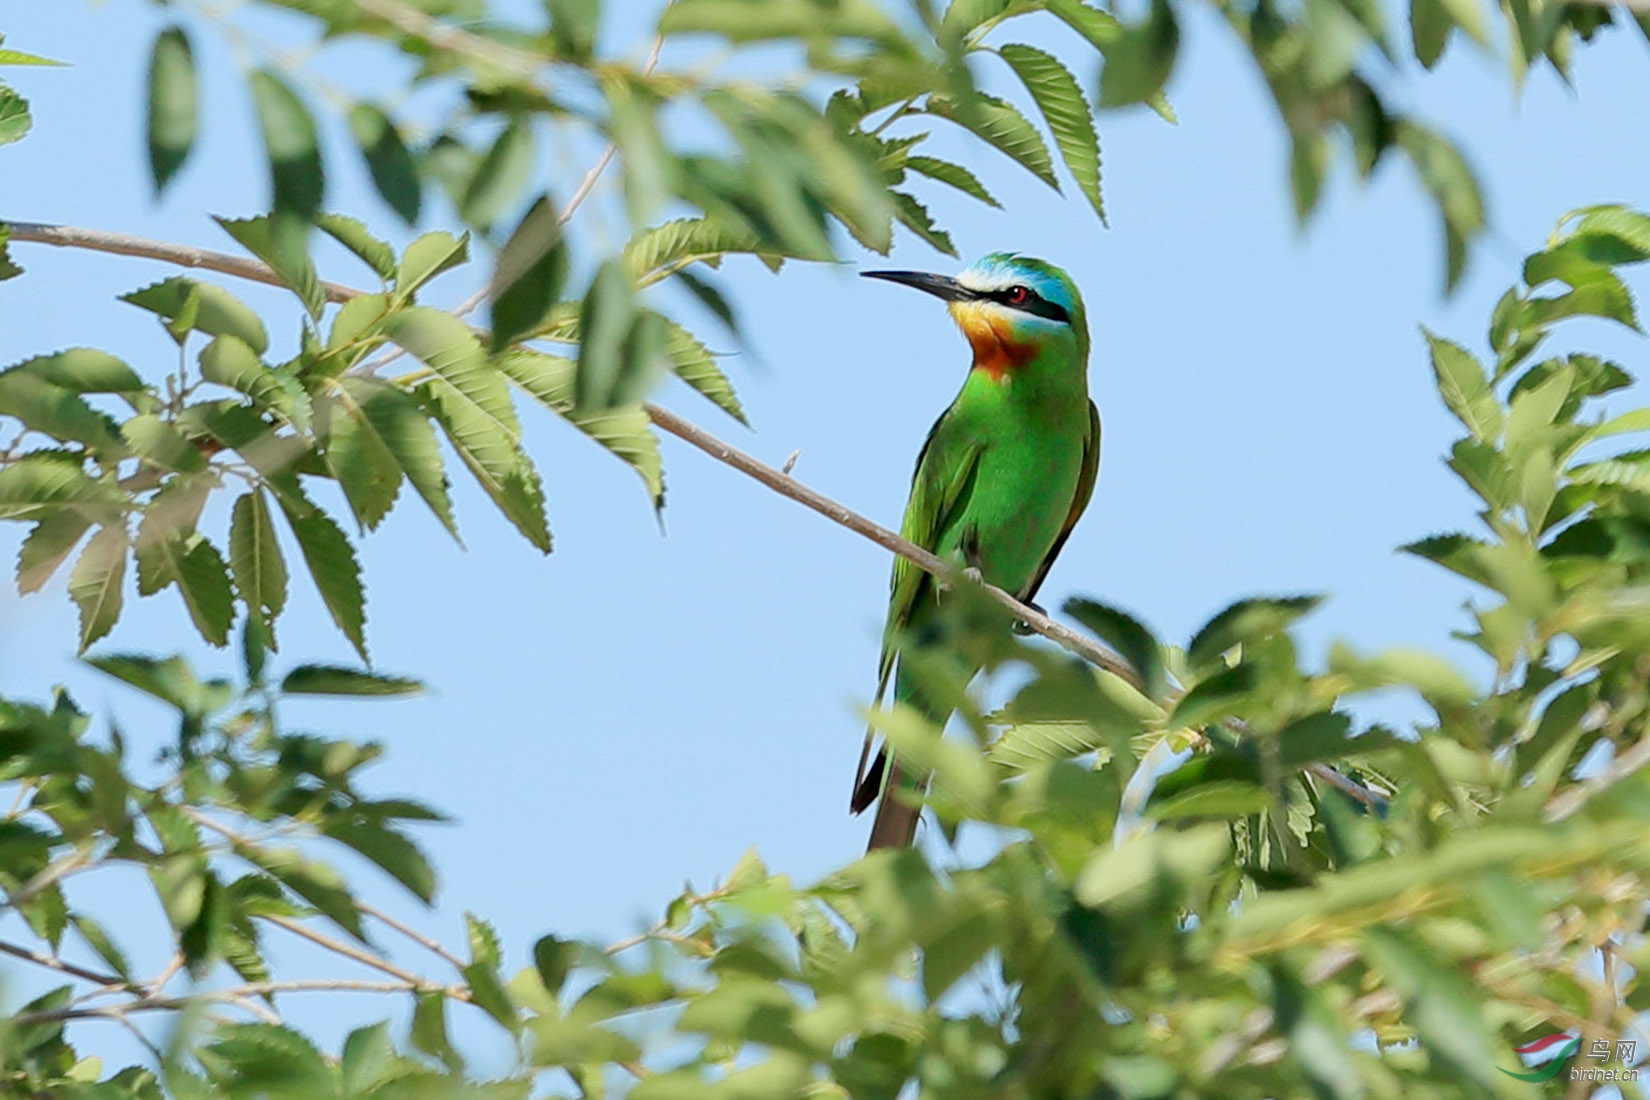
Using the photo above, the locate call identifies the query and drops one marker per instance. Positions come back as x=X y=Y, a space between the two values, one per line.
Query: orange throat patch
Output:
x=991 y=336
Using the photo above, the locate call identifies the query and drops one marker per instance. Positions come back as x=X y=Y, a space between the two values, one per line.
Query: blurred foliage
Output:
x=1300 y=907
x=1205 y=878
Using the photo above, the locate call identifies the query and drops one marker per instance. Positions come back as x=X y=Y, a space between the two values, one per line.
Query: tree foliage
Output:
x=1302 y=906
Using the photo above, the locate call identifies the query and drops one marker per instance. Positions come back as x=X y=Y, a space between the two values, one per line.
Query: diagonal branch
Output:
x=244 y=268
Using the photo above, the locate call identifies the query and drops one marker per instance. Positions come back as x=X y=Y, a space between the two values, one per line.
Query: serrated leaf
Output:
x=953 y=174
x=210 y=309
x=427 y=257
x=693 y=363
x=255 y=559
x=1101 y=28
x=391 y=165
x=1453 y=188
x=1000 y=124
x=395 y=418
x=173 y=104
x=1063 y=107
x=605 y=318
x=95 y=583
x=365 y=467
x=279 y=242
x=332 y=565
x=661 y=249
x=1243 y=620
x=229 y=361
x=159 y=443
x=397 y=856
x=41 y=483
x=14 y=116
x=353 y=235
x=1132 y=640
x=1465 y=388
x=914 y=216
x=171 y=552
x=494 y=457
x=54 y=410
x=291 y=144
x=338 y=680
x=47 y=546
x=626 y=431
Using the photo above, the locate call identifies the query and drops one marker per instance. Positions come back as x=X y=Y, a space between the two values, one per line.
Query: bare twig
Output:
x=450 y=39
x=122 y=244
x=52 y=962
x=412 y=934
x=350 y=951
x=1568 y=801
x=239 y=995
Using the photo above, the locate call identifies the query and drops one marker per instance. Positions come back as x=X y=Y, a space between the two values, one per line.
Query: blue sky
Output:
x=638 y=709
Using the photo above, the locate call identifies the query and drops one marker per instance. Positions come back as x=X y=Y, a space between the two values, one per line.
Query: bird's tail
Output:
x=900 y=790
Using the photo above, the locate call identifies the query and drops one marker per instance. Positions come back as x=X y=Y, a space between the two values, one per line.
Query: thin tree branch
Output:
x=52 y=962
x=1085 y=647
x=122 y=244
x=239 y=995
x=450 y=39
x=412 y=934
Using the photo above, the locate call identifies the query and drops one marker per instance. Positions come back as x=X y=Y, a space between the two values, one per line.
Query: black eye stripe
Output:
x=1034 y=303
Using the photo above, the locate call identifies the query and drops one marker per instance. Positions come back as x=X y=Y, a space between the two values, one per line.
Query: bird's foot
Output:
x=970 y=572
x=1023 y=628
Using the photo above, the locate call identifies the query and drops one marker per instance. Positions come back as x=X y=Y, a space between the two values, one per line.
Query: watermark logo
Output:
x=1550 y=1052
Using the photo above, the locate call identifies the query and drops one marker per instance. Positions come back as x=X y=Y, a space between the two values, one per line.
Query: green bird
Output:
x=1002 y=479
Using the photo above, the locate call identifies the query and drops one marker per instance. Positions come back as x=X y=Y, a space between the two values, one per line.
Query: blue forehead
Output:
x=1002 y=269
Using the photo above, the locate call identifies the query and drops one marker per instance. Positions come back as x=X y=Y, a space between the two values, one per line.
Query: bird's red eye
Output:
x=1018 y=295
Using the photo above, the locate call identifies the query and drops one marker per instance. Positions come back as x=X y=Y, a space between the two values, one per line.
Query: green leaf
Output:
x=573 y=27
x=337 y=680
x=1139 y=62
x=171 y=552
x=954 y=174
x=1220 y=798
x=1453 y=189
x=95 y=583
x=159 y=443
x=914 y=216
x=48 y=546
x=353 y=235
x=486 y=991
x=1000 y=124
x=1439 y=1004
x=471 y=401
x=42 y=483
x=230 y=361
x=624 y=430
x=499 y=178
x=529 y=276
x=8 y=269
x=315 y=882
x=427 y=257
x=605 y=319
x=255 y=560
x=280 y=244
x=1061 y=102
x=173 y=104
x=332 y=564
x=43 y=406
x=1465 y=388
x=14 y=116
x=397 y=856
x=291 y=144
x=1126 y=634
x=201 y=307
x=429 y=1029
x=1101 y=28
x=393 y=416
x=693 y=363
x=393 y=170
x=366 y=469
x=100 y=942
x=661 y=249
x=1243 y=621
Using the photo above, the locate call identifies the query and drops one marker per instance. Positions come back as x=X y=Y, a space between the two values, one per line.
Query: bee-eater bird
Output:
x=1003 y=477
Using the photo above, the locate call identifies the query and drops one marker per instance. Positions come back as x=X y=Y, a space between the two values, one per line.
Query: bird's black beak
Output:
x=940 y=286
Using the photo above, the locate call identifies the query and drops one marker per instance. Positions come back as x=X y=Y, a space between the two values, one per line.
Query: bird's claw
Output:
x=1023 y=628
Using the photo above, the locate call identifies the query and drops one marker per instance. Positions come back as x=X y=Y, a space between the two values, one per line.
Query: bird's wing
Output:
x=944 y=477
x=1080 y=501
